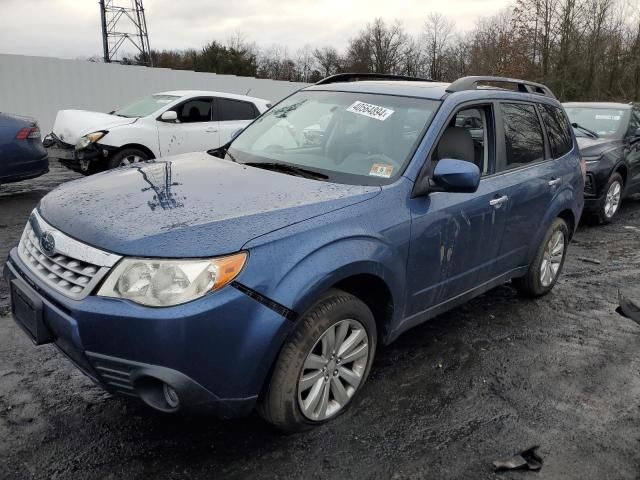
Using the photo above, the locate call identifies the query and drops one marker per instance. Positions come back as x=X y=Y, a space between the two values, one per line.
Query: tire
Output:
x=125 y=157
x=606 y=210
x=535 y=283
x=285 y=396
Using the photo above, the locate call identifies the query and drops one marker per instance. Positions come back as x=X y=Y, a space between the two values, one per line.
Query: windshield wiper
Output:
x=286 y=168
x=591 y=133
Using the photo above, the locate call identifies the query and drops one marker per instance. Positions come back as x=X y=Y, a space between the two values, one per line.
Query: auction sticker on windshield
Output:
x=371 y=111
x=381 y=170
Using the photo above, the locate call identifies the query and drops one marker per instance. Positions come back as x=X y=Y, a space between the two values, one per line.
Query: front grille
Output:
x=70 y=267
x=113 y=372
x=589 y=185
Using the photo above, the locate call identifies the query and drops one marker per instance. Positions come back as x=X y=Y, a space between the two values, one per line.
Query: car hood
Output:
x=191 y=205
x=70 y=125
x=596 y=146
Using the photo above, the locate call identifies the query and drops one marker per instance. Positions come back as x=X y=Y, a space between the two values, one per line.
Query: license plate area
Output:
x=27 y=309
x=60 y=153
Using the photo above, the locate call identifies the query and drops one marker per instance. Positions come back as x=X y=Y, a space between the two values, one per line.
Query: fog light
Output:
x=170 y=396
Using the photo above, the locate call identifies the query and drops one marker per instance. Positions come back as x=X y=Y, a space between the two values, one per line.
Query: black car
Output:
x=22 y=155
x=609 y=138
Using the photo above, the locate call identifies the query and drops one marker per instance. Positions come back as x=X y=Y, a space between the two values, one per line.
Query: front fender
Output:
x=321 y=269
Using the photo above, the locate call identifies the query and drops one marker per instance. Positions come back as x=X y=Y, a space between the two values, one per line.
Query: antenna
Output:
x=124 y=24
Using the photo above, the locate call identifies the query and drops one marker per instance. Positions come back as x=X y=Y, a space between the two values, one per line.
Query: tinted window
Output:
x=235 y=110
x=522 y=135
x=196 y=110
x=557 y=130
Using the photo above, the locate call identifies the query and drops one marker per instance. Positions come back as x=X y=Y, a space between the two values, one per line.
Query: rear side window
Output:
x=235 y=110
x=558 y=131
x=522 y=135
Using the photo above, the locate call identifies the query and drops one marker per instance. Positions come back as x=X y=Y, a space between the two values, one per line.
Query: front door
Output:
x=455 y=237
x=194 y=131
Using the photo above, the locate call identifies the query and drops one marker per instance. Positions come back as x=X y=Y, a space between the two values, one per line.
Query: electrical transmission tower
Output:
x=122 y=25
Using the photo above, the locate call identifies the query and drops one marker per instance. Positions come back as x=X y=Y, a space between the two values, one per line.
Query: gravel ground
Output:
x=479 y=383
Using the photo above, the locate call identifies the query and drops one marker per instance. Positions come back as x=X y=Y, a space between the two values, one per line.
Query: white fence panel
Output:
x=40 y=86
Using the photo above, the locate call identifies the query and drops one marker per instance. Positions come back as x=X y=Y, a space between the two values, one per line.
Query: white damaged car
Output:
x=162 y=124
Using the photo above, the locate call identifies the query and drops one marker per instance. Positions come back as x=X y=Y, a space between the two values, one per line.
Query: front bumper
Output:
x=74 y=159
x=215 y=352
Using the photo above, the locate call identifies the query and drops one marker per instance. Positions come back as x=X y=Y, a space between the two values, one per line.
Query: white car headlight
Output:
x=89 y=138
x=162 y=283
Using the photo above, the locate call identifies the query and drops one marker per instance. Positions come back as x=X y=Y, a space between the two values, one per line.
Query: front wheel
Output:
x=545 y=269
x=126 y=157
x=611 y=201
x=323 y=365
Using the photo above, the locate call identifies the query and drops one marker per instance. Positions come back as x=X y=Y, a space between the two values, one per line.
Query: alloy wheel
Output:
x=612 y=199
x=552 y=259
x=333 y=370
x=130 y=160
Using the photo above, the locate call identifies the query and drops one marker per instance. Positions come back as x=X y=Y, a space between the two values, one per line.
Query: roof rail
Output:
x=354 y=77
x=524 y=86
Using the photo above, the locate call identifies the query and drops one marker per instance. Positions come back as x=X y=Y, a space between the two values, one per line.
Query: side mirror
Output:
x=456 y=176
x=169 y=116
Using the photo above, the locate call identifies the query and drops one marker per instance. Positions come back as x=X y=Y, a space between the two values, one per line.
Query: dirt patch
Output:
x=477 y=384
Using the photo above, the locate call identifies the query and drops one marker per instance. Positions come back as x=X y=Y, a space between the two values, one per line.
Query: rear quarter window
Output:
x=558 y=130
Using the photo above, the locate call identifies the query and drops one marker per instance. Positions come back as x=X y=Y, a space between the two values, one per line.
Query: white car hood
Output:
x=72 y=124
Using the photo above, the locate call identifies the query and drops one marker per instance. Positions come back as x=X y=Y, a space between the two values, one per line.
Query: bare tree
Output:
x=438 y=32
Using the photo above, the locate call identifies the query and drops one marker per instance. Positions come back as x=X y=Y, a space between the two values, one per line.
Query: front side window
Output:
x=195 y=110
x=229 y=109
x=523 y=138
x=467 y=137
x=558 y=130
x=145 y=106
x=353 y=138
x=604 y=122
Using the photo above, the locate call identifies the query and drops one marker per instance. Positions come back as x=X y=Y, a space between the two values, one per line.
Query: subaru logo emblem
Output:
x=47 y=244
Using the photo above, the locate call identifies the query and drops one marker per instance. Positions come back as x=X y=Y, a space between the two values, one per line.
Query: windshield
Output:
x=145 y=106
x=353 y=138
x=606 y=122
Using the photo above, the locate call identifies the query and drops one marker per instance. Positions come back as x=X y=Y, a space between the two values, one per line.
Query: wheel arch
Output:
x=138 y=146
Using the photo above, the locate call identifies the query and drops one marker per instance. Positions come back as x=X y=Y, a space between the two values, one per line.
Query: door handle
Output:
x=554 y=182
x=211 y=130
x=497 y=202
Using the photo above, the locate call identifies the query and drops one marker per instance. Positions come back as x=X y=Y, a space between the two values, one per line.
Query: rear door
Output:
x=233 y=115
x=194 y=131
x=530 y=176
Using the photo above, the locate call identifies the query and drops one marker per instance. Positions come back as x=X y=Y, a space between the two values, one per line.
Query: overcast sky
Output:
x=71 y=28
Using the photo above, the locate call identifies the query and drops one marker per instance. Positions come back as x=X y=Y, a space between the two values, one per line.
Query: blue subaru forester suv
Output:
x=266 y=272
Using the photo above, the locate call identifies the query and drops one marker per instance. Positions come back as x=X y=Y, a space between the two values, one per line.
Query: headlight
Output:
x=90 y=138
x=593 y=159
x=163 y=283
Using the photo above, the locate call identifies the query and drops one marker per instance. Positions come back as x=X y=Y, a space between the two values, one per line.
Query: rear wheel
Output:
x=126 y=157
x=323 y=365
x=545 y=269
x=612 y=198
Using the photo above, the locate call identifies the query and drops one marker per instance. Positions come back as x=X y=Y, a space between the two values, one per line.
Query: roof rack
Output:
x=524 y=86
x=354 y=77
